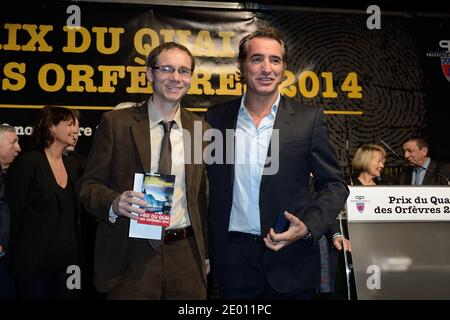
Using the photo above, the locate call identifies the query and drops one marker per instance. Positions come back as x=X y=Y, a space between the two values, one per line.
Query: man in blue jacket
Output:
x=277 y=144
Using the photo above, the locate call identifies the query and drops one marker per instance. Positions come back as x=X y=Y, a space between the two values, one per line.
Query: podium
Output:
x=400 y=238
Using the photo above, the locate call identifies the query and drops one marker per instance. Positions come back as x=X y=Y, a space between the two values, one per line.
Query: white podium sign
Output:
x=400 y=241
x=399 y=203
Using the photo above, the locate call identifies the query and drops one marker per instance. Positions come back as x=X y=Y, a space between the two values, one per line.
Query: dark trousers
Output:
x=7 y=285
x=244 y=276
x=171 y=273
x=53 y=287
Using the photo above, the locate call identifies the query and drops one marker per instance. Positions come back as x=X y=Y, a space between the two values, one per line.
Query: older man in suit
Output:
x=250 y=260
x=137 y=140
x=9 y=149
x=423 y=170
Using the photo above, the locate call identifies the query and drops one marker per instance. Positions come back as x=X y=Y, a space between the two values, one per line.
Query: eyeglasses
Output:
x=182 y=71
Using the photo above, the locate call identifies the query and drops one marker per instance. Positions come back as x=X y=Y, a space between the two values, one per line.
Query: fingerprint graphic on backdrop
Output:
x=385 y=61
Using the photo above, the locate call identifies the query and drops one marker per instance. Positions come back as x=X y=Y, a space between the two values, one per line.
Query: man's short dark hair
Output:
x=267 y=33
x=154 y=54
x=421 y=143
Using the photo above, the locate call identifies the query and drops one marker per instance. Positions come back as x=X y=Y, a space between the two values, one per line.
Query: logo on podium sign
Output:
x=360 y=205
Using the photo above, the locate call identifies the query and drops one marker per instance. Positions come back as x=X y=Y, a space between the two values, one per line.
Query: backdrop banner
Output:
x=386 y=83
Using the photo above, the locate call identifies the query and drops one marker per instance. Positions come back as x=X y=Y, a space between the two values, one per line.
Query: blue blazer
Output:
x=304 y=148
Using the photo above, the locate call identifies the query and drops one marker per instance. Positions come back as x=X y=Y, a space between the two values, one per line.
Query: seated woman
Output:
x=45 y=212
x=368 y=162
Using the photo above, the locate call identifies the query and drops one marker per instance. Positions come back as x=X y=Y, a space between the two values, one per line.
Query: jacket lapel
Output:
x=189 y=146
x=284 y=123
x=430 y=178
x=140 y=131
x=231 y=123
x=285 y=120
x=48 y=173
x=53 y=184
x=73 y=178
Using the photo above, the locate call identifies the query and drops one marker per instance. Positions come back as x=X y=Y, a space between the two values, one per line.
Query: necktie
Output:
x=417 y=176
x=165 y=156
x=164 y=166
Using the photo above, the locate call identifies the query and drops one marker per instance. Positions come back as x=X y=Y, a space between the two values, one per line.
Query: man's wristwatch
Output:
x=308 y=236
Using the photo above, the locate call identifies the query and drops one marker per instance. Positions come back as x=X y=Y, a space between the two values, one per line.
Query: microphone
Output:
x=414 y=164
x=392 y=150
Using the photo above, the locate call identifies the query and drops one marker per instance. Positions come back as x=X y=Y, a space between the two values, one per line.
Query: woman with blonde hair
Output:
x=368 y=162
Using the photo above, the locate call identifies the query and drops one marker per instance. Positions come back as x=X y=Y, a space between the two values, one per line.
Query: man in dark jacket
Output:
x=9 y=149
x=423 y=169
x=267 y=181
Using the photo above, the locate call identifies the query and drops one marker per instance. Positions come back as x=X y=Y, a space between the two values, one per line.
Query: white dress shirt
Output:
x=251 y=146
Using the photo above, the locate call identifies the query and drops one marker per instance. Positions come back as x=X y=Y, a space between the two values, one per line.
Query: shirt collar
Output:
x=425 y=165
x=243 y=110
x=155 y=117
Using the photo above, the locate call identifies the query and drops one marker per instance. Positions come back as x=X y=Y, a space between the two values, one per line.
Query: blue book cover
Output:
x=158 y=192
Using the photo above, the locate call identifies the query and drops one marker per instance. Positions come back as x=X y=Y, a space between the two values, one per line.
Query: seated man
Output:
x=423 y=170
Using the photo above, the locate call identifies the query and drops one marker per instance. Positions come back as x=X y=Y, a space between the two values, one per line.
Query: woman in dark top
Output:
x=45 y=213
x=368 y=164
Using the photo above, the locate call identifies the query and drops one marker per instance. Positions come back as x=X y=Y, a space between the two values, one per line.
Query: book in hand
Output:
x=158 y=193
